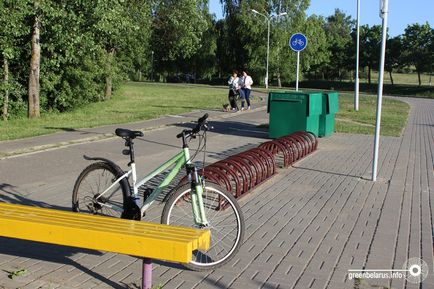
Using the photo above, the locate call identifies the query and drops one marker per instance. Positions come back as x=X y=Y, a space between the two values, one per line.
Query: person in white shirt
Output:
x=246 y=87
x=234 y=88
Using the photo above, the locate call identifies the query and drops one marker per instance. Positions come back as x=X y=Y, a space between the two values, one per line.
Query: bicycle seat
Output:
x=126 y=133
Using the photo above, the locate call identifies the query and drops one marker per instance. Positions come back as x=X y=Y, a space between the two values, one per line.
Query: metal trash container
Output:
x=293 y=111
x=330 y=106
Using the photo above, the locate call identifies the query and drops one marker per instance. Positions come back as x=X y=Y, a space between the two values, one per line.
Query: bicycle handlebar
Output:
x=200 y=122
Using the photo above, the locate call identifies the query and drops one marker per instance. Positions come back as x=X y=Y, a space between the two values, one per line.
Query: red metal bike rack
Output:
x=244 y=171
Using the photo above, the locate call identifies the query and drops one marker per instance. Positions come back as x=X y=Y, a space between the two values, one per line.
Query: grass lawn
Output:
x=402 y=78
x=132 y=102
x=393 y=116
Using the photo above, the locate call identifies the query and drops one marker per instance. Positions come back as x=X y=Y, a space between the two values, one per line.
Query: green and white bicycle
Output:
x=103 y=188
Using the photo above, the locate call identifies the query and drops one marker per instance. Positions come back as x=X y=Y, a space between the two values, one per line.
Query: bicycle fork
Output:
x=197 y=197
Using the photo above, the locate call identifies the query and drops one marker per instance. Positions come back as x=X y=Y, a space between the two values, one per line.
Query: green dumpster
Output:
x=330 y=106
x=293 y=111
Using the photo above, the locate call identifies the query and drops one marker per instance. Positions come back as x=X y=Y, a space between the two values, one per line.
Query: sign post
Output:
x=297 y=42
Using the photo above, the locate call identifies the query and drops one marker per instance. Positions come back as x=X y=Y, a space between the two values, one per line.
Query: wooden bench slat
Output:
x=143 y=239
x=132 y=228
x=27 y=213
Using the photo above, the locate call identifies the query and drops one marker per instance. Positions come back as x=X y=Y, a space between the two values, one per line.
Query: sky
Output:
x=401 y=12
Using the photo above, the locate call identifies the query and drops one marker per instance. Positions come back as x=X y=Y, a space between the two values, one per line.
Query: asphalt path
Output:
x=46 y=178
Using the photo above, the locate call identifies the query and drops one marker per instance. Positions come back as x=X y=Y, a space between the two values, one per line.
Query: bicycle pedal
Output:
x=146 y=193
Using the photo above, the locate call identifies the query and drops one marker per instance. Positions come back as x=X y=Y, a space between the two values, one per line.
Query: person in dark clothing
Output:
x=234 y=87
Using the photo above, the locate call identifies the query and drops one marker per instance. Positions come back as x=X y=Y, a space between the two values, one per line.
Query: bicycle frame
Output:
x=177 y=161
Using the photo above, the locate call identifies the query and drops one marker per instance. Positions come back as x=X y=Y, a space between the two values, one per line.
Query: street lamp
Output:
x=356 y=88
x=268 y=17
x=384 y=12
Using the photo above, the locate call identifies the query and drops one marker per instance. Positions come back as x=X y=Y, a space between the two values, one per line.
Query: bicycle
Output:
x=103 y=188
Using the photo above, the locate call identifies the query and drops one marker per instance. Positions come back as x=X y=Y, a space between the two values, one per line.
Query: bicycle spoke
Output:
x=215 y=210
x=224 y=225
x=87 y=195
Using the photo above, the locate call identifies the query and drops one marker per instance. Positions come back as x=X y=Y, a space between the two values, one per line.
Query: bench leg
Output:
x=147 y=273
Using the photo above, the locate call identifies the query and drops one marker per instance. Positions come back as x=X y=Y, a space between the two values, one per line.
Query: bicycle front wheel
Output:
x=88 y=196
x=226 y=223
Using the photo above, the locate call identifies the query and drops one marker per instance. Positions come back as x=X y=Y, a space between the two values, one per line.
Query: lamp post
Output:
x=356 y=88
x=384 y=12
x=268 y=17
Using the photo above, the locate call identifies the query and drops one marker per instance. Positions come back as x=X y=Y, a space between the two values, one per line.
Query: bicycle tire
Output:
x=217 y=255
x=92 y=181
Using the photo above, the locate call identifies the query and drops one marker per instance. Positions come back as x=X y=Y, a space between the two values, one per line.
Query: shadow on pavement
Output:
x=234 y=128
x=326 y=172
x=9 y=194
x=259 y=284
x=70 y=129
x=425 y=124
x=232 y=151
x=53 y=254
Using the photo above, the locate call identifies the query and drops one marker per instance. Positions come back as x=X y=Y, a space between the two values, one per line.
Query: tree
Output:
x=247 y=35
x=71 y=62
x=204 y=64
x=67 y=42
x=317 y=53
x=338 y=32
x=370 y=44
x=416 y=43
x=283 y=28
x=135 y=52
x=13 y=29
x=178 y=28
x=111 y=26
x=431 y=58
x=393 y=55
x=224 y=63
x=35 y=61
x=6 y=84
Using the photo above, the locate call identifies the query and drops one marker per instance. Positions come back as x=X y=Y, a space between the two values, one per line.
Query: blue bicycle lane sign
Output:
x=298 y=42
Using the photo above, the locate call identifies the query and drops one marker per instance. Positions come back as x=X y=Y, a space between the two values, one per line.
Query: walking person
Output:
x=234 y=88
x=246 y=88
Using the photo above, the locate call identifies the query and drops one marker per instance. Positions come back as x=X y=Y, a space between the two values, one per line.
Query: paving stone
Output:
x=305 y=228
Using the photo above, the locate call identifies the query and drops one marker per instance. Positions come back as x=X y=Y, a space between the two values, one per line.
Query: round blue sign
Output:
x=298 y=42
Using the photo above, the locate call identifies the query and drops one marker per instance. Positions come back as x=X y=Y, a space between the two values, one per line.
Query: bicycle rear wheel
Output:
x=94 y=180
x=225 y=219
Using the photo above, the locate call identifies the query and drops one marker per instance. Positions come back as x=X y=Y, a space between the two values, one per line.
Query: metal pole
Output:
x=147 y=273
x=152 y=66
x=356 y=88
x=268 y=52
x=268 y=17
x=298 y=64
x=384 y=14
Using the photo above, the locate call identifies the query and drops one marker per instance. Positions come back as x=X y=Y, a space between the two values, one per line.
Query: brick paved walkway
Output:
x=305 y=228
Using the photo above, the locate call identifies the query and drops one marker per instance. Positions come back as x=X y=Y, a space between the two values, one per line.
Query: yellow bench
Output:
x=147 y=240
